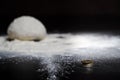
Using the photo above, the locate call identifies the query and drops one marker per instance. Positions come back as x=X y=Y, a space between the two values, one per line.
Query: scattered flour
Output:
x=77 y=46
x=61 y=44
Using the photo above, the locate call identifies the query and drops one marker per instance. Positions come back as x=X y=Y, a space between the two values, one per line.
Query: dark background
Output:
x=64 y=15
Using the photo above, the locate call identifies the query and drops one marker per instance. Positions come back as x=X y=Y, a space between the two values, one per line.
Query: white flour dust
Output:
x=60 y=44
x=80 y=46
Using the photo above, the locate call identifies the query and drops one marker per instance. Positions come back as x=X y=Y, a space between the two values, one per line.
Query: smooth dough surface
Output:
x=26 y=28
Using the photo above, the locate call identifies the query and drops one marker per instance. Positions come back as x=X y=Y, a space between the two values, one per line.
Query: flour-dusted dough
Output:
x=26 y=28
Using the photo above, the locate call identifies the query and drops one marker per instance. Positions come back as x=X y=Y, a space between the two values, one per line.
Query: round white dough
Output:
x=26 y=28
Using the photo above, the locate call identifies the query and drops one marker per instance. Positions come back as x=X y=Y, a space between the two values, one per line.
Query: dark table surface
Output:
x=66 y=68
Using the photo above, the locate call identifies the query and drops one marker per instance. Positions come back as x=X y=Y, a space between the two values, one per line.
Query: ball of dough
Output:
x=26 y=28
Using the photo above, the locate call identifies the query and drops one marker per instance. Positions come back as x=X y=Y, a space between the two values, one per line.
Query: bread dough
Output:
x=26 y=28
